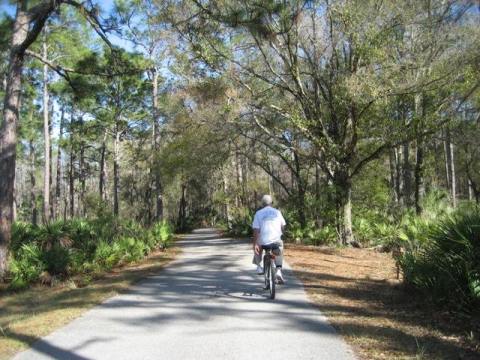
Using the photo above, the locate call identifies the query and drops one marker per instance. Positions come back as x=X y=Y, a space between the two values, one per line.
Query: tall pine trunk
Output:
x=450 y=167
x=8 y=134
x=406 y=175
x=155 y=142
x=82 y=171
x=182 y=209
x=392 y=161
x=50 y=150
x=46 y=135
x=116 y=176
x=58 y=179
x=102 y=175
x=33 y=196
x=226 y=205
x=71 y=169
x=419 y=158
x=470 y=190
x=419 y=174
x=446 y=150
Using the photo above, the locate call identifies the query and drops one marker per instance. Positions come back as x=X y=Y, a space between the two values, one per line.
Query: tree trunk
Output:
x=82 y=172
x=182 y=213
x=33 y=197
x=226 y=205
x=237 y=177
x=158 y=181
x=58 y=178
x=446 y=149
x=8 y=134
x=50 y=150
x=419 y=176
x=399 y=173
x=46 y=134
x=343 y=187
x=347 y=236
x=470 y=190
x=116 y=170
x=14 y=216
x=393 y=174
x=301 y=190
x=71 y=177
x=453 y=176
x=102 y=179
x=450 y=166
x=406 y=172
x=244 y=180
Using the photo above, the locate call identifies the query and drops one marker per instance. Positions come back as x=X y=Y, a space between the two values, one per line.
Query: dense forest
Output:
x=361 y=118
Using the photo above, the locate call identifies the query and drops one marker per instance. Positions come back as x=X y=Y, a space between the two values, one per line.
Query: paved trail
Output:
x=208 y=304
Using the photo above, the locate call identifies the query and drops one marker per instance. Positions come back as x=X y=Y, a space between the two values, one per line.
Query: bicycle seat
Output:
x=271 y=247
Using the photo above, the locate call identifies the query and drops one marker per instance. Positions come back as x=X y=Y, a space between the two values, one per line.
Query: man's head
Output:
x=266 y=200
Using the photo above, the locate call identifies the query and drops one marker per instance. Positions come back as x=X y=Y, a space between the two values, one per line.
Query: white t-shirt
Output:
x=269 y=221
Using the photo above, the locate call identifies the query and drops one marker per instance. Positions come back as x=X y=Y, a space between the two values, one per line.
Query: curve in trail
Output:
x=207 y=304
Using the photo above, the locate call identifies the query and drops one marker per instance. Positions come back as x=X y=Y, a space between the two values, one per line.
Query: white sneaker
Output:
x=279 y=276
x=259 y=270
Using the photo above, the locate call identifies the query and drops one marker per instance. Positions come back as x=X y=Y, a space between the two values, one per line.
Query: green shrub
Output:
x=323 y=236
x=131 y=249
x=106 y=255
x=56 y=259
x=77 y=261
x=26 y=266
x=310 y=234
x=447 y=266
x=385 y=233
x=294 y=231
x=51 y=234
x=162 y=233
x=241 y=223
x=83 y=235
x=363 y=229
x=22 y=233
x=80 y=246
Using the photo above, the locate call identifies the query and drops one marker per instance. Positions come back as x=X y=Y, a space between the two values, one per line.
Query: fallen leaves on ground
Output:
x=358 y=291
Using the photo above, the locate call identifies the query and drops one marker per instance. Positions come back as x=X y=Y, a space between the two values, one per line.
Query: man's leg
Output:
x=279 y=254
x=257 y=260
x=279 y=261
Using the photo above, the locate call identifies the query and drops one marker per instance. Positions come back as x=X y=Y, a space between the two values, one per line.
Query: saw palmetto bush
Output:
x=447 y=267
x=65 y=248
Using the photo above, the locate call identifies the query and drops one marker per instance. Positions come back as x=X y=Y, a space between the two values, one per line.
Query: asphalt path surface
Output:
x=207 y=304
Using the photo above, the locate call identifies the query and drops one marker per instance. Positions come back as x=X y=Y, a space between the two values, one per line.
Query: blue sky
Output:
x=10 y=9
x=106 y=5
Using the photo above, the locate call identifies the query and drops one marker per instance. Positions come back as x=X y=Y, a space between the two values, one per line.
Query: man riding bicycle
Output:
x=268 y=224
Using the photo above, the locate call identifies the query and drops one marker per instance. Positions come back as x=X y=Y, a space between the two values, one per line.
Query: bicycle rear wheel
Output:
x=266 y=271
x=271 y=280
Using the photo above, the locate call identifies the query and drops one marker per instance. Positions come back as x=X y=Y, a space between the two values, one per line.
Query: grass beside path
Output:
x=357 y=290
x=28 y=315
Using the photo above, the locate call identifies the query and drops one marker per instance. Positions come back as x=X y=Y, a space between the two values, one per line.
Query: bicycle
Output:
x=269 y=268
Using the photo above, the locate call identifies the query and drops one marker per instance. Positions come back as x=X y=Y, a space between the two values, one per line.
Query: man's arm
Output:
x=256 y=247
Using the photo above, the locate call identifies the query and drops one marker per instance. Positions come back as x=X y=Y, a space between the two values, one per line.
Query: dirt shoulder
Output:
x=28 y=315
x=358 y=291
